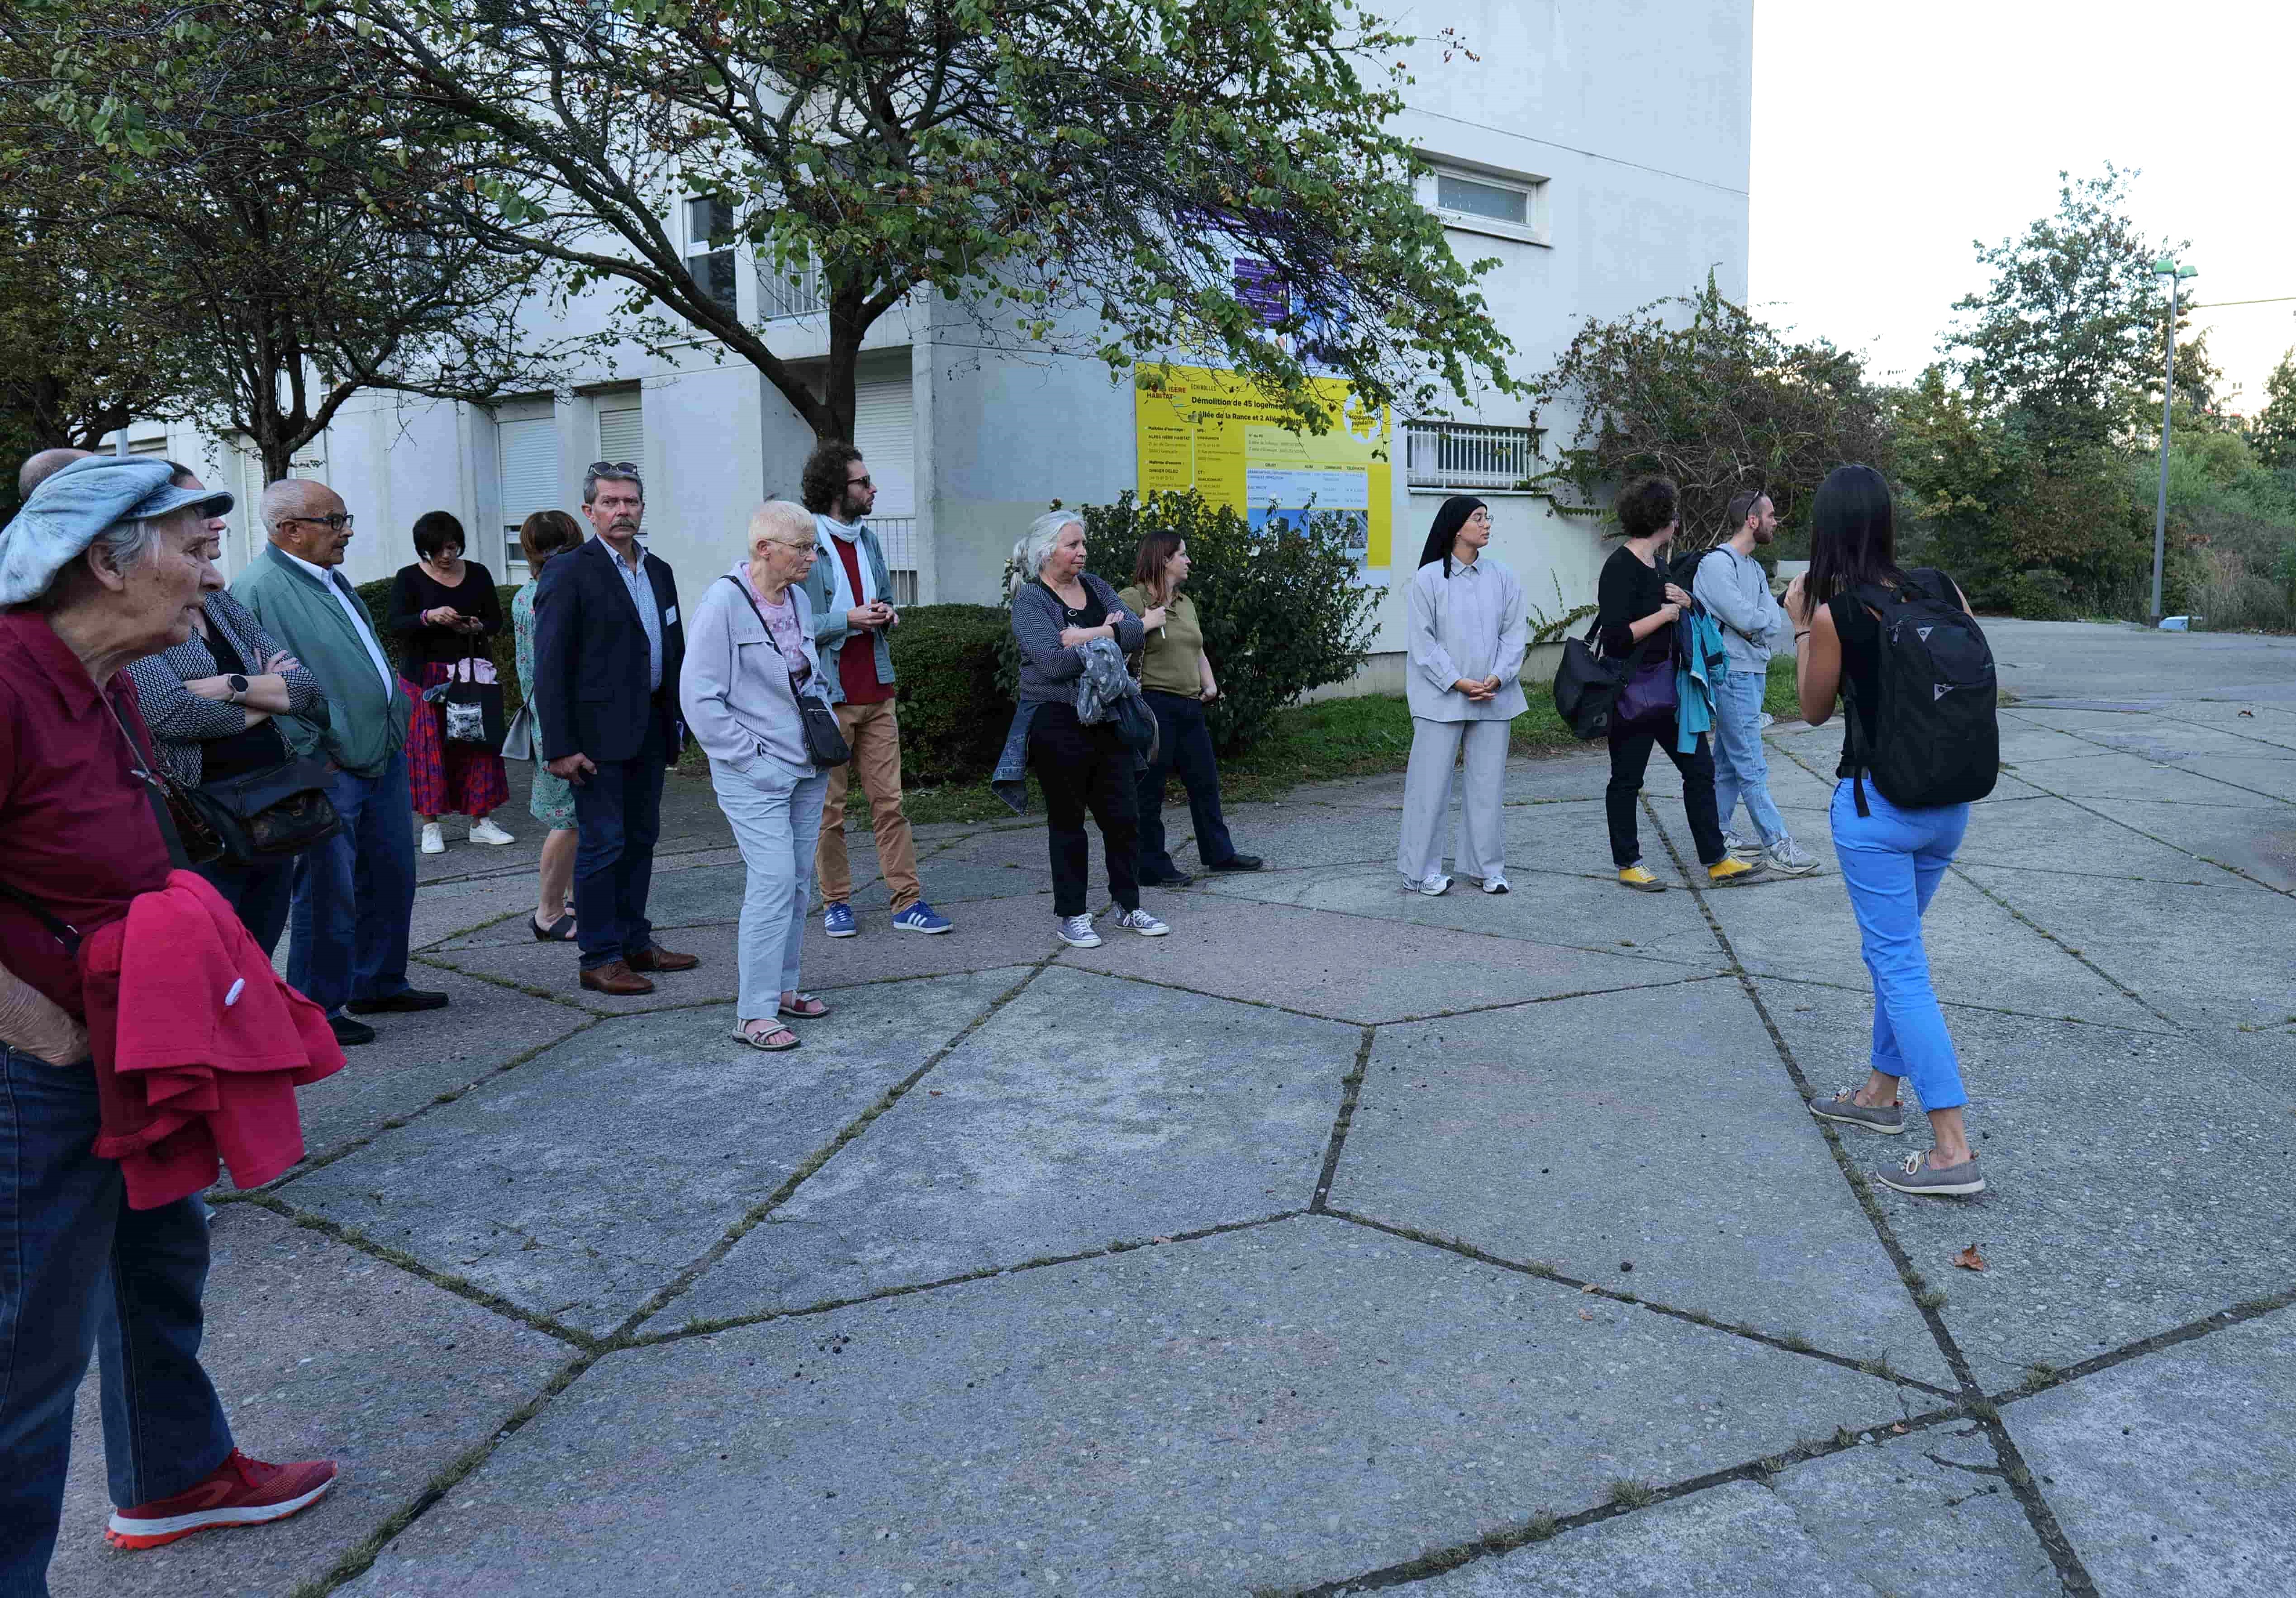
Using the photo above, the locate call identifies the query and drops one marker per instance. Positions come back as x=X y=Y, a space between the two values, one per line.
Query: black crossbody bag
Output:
x=825 y=740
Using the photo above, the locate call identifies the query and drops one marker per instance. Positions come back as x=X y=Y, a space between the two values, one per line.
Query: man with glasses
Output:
x=353 y=895
x=851 y=592
x=607 y=650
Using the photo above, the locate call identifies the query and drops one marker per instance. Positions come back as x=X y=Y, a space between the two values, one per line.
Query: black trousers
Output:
x=1630 y=752
x=1185 y=745
x=1081 y=766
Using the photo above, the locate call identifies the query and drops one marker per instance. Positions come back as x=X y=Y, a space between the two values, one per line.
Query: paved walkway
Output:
x=1345 y=1240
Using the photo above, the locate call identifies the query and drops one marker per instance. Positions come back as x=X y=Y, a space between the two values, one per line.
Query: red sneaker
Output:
x=239 y=1492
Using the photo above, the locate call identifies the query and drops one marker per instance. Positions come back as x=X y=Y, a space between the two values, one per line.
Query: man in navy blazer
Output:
x=607 y=649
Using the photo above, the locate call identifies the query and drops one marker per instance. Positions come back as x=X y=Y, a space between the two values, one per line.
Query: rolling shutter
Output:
x=885 y=432
x=529 y=470
x=621 y=429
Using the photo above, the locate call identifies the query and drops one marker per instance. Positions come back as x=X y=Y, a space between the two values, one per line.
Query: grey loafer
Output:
x=1843 y=1107
x=1918 y=1177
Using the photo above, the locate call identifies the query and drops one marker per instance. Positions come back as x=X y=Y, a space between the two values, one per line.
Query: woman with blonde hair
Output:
x=540 y=536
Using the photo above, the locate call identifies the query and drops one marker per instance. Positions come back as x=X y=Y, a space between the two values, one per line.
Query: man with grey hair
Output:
x=353 y=895
x=607 y=651
x=106 y=563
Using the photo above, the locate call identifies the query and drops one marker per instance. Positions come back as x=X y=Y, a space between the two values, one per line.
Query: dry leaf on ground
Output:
x=1970 y=1259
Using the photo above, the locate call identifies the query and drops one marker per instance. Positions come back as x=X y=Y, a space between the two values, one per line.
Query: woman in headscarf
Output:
x=1466 y=634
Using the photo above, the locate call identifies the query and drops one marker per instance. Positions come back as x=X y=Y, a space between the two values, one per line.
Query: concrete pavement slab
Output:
x=318 y=1351
x=2058 y=835
x=2175 y=1473
x=447 y=911
x=2168 y=942
x=1351 y=968
x=415 y=1058
x=1651 y=1143
x=1277 y=1406
x=2127 y=1173
x=555 y=1184
x=556 y=969
x=1926 y=1515
x=2113 y=775
x=1576 y=912
x=2261 y=840
x=1732 y=1541
x=1037 y=1138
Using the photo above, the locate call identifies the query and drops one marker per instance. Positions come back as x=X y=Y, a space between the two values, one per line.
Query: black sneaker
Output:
x=413 y=998
x=1178 y=879
x=349 y=1034
x=1236 y=862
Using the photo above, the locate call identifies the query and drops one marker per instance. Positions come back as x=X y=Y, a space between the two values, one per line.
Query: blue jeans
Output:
x=1891 y=861
x=354 y=894
x=617 y=807
x=1184 y=744
x=261 y=894
x=1742 y=769
x=79 y=1271
x=775 y=812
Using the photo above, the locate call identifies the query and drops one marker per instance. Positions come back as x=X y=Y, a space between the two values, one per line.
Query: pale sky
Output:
x=1890 y=133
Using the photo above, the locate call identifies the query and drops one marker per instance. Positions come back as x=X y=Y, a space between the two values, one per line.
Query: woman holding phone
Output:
x=444 y=609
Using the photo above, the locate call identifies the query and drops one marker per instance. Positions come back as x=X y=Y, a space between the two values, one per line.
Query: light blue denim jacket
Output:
x=832 y=629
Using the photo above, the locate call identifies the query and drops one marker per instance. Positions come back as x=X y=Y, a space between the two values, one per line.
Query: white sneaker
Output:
x=1075 y=932
x=485 y=831
x=1496 y=884
x=1434 y=887
x=1141 y=922
x=1742 y=849
x=1789 y=858
x=434 y=841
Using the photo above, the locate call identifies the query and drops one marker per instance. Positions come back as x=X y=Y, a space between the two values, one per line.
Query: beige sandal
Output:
x=756 y=1040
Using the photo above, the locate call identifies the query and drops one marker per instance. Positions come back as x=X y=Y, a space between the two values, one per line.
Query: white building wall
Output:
x=1631 y=114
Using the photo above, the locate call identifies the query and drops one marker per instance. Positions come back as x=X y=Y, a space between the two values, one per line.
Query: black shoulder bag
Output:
x=825 y=740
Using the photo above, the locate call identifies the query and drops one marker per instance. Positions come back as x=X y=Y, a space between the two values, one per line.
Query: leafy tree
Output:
x=1081 y=174
x=2066 y=339
x=2273 y=434
x=1703 y=390
x=249 y=161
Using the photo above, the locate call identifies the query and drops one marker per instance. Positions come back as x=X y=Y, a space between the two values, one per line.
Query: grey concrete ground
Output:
x=1345 y=1240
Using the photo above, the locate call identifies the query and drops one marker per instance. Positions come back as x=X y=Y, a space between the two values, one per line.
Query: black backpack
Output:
x=1935 y=740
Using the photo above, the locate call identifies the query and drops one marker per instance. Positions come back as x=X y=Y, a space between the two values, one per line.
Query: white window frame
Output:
x=1533 y=230
x=699 y=253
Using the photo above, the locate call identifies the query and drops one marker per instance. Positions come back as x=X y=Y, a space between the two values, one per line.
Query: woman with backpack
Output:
x=1635 y=612
x=1467 y=633
x=1901 y=647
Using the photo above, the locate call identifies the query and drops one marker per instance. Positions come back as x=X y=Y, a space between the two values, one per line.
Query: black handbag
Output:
x=276 y=814
x=471 y=711
x=825 y=740
x=1586 y=685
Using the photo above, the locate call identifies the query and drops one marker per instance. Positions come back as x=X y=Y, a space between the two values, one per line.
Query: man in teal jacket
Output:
x=355 y=893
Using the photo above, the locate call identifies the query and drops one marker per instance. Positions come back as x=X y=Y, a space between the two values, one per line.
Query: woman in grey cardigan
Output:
x=750 y=652
x=208 y=703
x=1058 y=607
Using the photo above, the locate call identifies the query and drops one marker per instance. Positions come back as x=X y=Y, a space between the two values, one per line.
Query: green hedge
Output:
x=502 y=649
x=954 y=708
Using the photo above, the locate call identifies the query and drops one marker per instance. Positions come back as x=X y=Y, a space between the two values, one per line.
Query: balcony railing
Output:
x=779 y=296
x=899 y=534
x=1465 y=454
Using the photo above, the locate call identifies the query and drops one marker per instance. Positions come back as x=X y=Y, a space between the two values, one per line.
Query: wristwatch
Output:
x=238 y=686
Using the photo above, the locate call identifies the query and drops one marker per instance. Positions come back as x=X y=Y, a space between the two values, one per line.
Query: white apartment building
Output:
x=1599 y=149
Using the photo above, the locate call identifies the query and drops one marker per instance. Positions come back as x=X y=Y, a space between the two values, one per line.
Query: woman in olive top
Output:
x=1175 y=679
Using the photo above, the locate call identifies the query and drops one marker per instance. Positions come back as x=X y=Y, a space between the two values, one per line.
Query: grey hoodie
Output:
x=1735 y=591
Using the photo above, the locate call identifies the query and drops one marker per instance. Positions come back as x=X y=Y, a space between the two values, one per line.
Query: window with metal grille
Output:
x=1462 y=454
x=711 y=262
x=789 y=288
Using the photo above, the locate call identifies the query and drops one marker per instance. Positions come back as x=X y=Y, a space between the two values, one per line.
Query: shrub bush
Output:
x=1281 y=608
x=954 y=698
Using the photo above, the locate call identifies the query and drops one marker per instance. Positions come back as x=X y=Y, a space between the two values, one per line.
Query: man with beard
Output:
x=1735 y=590
x=607 y=650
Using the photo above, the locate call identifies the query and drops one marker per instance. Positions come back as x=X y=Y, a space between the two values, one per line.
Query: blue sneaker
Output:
x=918 y=917
x=837 y=920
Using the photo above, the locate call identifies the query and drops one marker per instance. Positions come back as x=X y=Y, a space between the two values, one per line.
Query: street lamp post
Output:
x=2166 y=268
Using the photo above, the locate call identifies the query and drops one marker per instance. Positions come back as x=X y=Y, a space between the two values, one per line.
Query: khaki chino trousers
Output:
x=874 y=733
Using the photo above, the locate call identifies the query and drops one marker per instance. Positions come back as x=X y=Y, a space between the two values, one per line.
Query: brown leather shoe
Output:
x=658 y=958
x=616 y=978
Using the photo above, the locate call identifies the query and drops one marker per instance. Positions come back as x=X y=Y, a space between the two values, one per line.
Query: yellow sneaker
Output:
x=1729 y=870
x=1641 y=881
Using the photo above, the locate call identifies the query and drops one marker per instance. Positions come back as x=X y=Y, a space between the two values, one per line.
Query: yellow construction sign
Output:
x=1215 y=432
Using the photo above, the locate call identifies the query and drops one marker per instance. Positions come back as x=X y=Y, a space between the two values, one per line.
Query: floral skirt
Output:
x=447 y=779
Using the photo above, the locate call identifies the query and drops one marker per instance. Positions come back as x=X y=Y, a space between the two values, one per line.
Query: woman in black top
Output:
x=1636 y=611
x=444 y=609
x=1892 y=857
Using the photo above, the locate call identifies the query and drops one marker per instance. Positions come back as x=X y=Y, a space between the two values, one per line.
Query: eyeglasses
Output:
x=859 y=483
x=807 y=547
x=615 y=468
x=339 y=523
